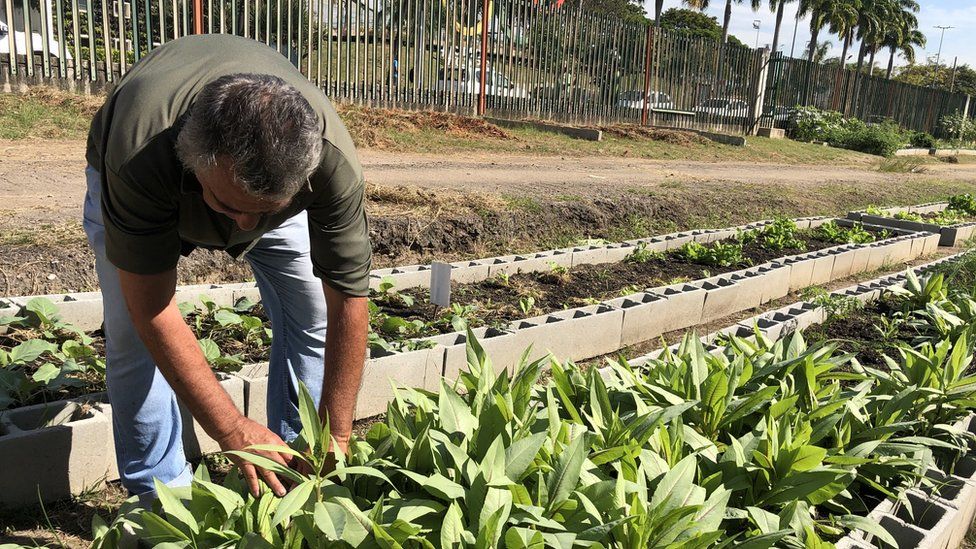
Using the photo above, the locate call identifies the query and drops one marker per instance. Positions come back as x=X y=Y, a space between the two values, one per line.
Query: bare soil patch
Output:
x=635 y=131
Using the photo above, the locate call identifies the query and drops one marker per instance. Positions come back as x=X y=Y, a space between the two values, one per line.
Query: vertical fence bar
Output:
x=484 y=60
x=46 y=39
x=62 y=47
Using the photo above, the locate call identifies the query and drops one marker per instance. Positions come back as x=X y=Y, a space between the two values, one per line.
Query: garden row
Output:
x=46 y=358
x=80 y=430
x=954 y=221
x=750 y=440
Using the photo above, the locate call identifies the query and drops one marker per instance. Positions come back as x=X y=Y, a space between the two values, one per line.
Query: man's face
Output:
x=223 y=194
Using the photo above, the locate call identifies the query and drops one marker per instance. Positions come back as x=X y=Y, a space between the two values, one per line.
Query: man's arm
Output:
x=150 y=300
x=345 y=357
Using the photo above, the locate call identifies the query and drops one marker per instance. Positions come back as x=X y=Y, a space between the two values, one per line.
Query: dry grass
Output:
x=373 y=127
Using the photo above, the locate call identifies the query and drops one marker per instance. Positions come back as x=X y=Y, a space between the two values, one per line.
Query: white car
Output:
x=469 y=81
x=20 y=43
x=635 y=99
x=725 y=107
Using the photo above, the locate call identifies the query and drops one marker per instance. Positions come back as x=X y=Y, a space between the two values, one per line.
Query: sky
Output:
x=959 y=41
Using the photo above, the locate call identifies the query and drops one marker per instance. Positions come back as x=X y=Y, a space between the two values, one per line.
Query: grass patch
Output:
x=45 y=113
x=524 y=203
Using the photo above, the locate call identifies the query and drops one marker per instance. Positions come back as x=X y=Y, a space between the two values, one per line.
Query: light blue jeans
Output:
x=145 y=415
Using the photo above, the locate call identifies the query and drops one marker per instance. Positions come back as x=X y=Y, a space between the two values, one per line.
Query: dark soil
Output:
x=498 y=300
x=864 y=333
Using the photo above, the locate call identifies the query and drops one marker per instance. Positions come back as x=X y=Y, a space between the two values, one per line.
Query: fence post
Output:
x=647 y=76
x=484 y=56
x=197 y=17
x=762 y=77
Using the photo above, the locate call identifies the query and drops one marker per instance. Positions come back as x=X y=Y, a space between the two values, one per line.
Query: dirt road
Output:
x=425 y=207
x=43 y=181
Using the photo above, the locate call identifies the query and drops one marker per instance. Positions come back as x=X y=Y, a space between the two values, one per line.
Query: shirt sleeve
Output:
x=338 y=230
x=141 y=223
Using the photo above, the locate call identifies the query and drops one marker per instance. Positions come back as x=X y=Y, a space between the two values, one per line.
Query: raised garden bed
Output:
x=954 y=221
x=751 y=440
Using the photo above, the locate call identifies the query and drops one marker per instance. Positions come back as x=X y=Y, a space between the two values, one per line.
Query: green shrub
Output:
x=880 y=139
x=964 y=203
x=813 y=124
x=922 y=140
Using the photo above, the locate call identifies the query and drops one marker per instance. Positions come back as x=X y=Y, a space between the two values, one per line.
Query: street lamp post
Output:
x=756 y=23
x=938 y=56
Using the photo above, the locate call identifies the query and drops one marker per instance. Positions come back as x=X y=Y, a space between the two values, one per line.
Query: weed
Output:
x=643 y=255
x=527 y=305
x=901 y=165
x=834 y=306
x=524 y=203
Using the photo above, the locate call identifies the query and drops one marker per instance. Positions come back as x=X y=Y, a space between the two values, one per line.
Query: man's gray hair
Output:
x=262 y=125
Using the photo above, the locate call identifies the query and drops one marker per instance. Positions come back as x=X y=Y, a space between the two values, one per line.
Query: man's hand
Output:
x=249 y=433
x=177 y=354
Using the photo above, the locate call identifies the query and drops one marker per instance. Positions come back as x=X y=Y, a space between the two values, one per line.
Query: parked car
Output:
x=724 y=107
x=635 y=99
x=469 y=81
x=20 y=43
x=576 y=95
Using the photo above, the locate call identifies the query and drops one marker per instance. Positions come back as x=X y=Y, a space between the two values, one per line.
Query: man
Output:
x=218 y=142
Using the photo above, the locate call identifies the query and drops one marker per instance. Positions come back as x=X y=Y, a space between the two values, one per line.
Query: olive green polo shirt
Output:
x=152 y=206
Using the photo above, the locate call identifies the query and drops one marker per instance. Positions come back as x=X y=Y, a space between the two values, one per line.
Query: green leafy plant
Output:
x=781 y=235
x=229 y=336
x=43 y=358
x=719 y=254
x=642 y=254
x=963 y=203
x=832 y=232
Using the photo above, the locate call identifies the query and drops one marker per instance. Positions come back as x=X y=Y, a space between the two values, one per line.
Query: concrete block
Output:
x=956 y=236
x=906 y=535
x=255 y=379
x=932 y=517
x=900 y=250
x=574 y=334
x=776 y=282
x=684 y=306
x=414 y=369
x=862 y=256
x=843 y=262
x=823 y=266
x=528 y=263
x=786 y=320
x=590 y=255
x=801 y=271
x=467 y=272
x=410 y=276
x=196 y=442
x=880 y=254
x=677 y=240
x=952 y=492
x=643 y=317
x=500 y=347
x=586 y=134
x=772 y=133
x=721 y=298
x=65 y=459
x=750 y=284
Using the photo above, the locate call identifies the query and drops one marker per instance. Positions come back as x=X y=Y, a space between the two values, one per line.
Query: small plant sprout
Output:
x=527 y=305
x=642 y=254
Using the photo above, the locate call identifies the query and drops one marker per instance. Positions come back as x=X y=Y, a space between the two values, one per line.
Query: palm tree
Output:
x=871 y=23
x=842 y=19
x=779 y=7
x=817 y=10
x=703 y=5
x=902 y=35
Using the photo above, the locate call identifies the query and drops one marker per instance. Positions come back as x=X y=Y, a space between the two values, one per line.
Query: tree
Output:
x=694 y=23
x=778 y=6
x=816 y=9
x=902 y=35
x=939 y=77
x=628 y=10
x=703 y=5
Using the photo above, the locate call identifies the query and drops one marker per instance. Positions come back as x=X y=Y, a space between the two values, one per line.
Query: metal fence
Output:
x=509 y=58
x=793 y=82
